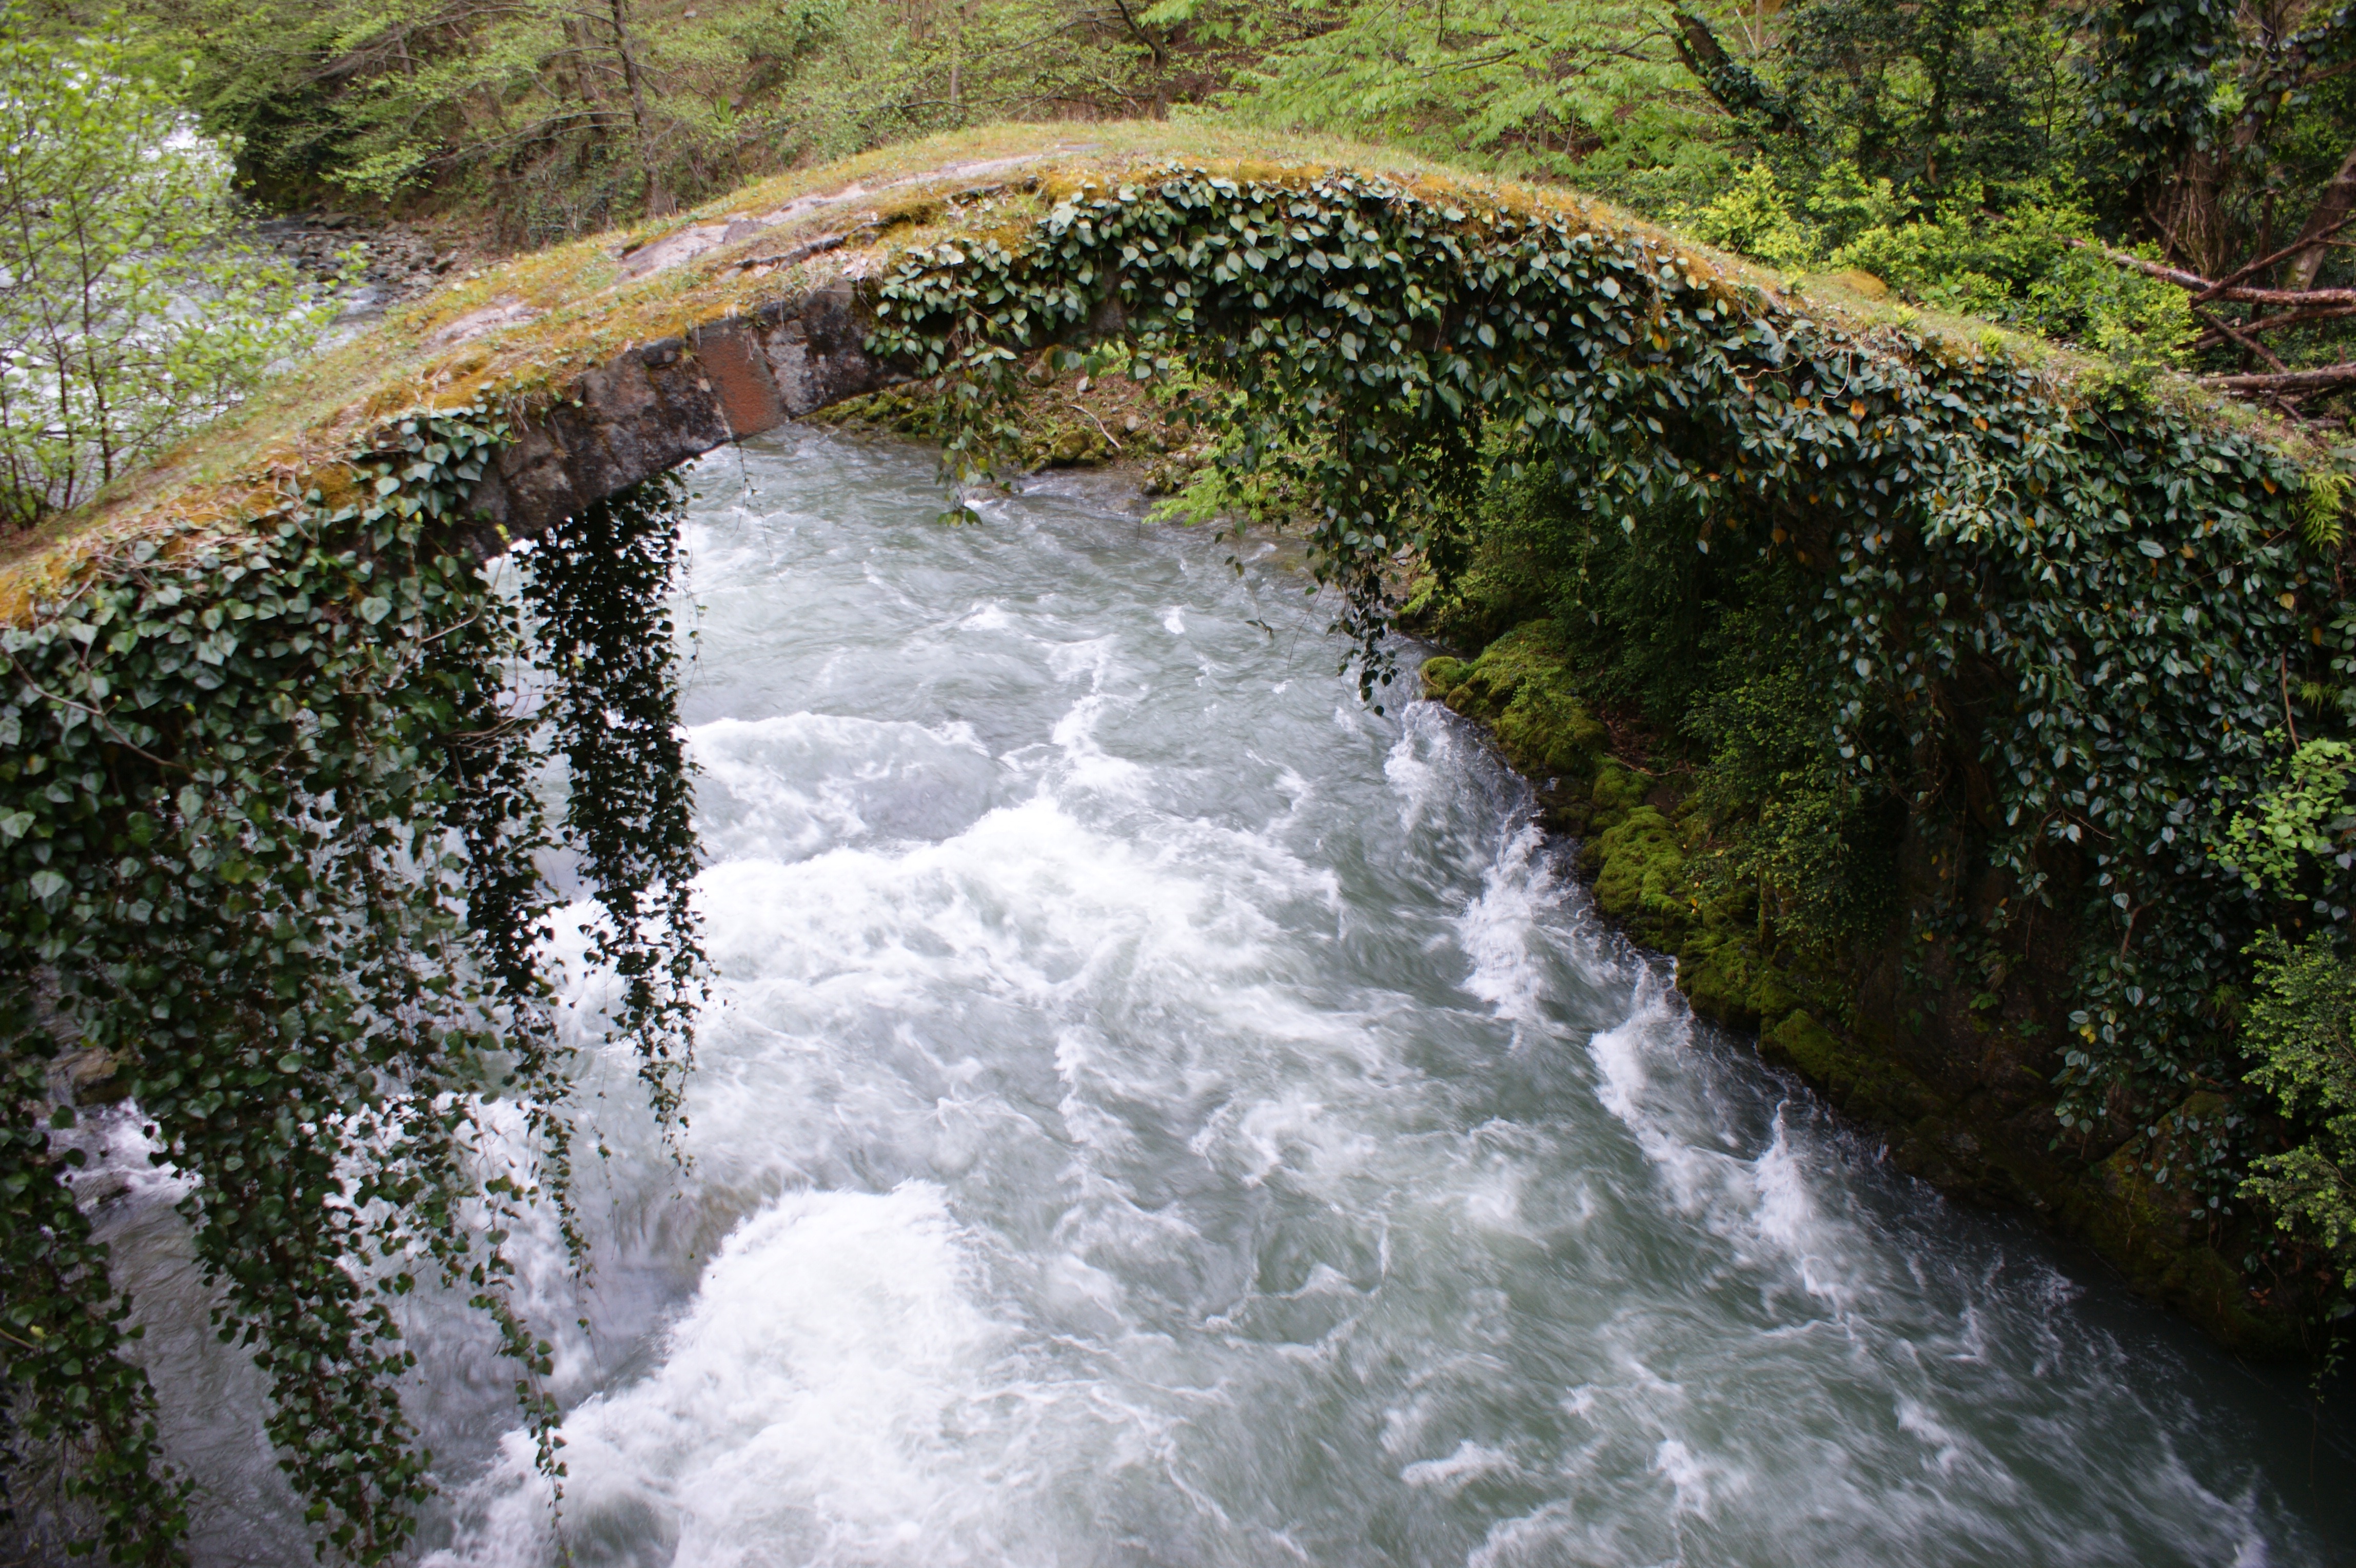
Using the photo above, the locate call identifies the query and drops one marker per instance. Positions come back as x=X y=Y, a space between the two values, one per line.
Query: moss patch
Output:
x=1066 y=420
x=1522 y=687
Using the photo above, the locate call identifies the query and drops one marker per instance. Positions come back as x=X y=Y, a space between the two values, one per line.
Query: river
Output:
x=1156 y=1110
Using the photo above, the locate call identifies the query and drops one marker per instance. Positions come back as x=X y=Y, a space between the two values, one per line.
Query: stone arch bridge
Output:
x=616 y=358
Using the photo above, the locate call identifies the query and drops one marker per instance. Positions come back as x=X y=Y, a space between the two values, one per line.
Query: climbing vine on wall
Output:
x=2066 y=608
x=269 y=815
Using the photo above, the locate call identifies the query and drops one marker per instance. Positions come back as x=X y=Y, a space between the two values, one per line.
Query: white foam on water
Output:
x=1945 y=1451
x=790 y=786
x=1151 y=1112
x=1496 y=929
x=120 y=1159
x=1470 y=1463
x=837 y=1392
x=1419 y=779
x=1765 y=1206
x=1698 y=1481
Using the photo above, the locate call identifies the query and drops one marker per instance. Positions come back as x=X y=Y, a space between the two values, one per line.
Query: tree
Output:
x=1584 y=88
x=2296 y=830
x=2299 y=1030
x=130 y=310
x=558 y=117
x=2207 y=146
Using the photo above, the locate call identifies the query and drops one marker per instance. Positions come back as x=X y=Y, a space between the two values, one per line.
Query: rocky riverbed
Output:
x=398 y=262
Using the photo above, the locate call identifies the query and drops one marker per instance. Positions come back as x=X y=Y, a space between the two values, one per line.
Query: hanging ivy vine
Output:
x=2069 y=610
x=270 y=818
x=600 y=589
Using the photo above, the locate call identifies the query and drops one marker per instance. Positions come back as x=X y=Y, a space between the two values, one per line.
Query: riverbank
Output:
x=1956 y=1077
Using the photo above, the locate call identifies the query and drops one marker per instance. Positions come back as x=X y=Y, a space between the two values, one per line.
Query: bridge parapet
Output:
x=655 y=407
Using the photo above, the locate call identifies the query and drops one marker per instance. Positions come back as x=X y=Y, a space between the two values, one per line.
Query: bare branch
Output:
x=2251 y=344
x=2339 y=375
x=2208 y=289
x=2263 y=263
x=2277 y=323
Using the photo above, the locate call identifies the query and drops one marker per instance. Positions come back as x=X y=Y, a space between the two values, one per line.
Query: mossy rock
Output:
x=1640 y=872
x=2158 y=1236
x=1879 y=1090
x=1064 y=446
x=1807 y=1046
x=1715 y=978
x=1522 y=687
x=1619 y=789
x=1729 y=980
x=1534 y=650
x=1545 y=730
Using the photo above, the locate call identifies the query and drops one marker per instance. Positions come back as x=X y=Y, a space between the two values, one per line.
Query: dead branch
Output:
x=2263 y=263
x=2322 y=376
x=2211 y=339
x=2207 y=288
x=2243 y=339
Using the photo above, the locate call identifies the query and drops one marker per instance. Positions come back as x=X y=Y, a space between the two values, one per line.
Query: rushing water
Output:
x=1157 y=1111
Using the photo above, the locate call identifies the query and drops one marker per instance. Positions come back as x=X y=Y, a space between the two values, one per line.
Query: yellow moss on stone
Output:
x=1522 y=686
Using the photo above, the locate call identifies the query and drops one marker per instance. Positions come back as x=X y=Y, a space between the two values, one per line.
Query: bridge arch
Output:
x=1962 y=505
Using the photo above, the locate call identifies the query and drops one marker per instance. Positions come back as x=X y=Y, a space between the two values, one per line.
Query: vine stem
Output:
x=2283 y=665
x=99 y=715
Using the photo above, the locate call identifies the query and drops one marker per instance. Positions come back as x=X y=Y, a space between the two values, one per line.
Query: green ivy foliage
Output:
x=2069 y=608
x=2026 y=265
x=2303 y=819
x=268 y=814
x=2299 y=1029
x=600 y=591
x=1716 y=685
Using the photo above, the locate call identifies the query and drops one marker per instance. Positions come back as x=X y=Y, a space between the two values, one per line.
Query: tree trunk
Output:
x=659 y=201
x=2192 y=228
x=2330 y=210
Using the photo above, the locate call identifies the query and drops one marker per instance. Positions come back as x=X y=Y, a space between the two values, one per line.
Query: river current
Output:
x=1156 y=1110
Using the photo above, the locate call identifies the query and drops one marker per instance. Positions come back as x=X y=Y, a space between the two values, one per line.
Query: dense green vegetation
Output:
x=1957 y=149
x=131 y=311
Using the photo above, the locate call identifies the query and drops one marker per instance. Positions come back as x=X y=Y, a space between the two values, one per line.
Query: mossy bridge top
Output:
x=618 y=356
